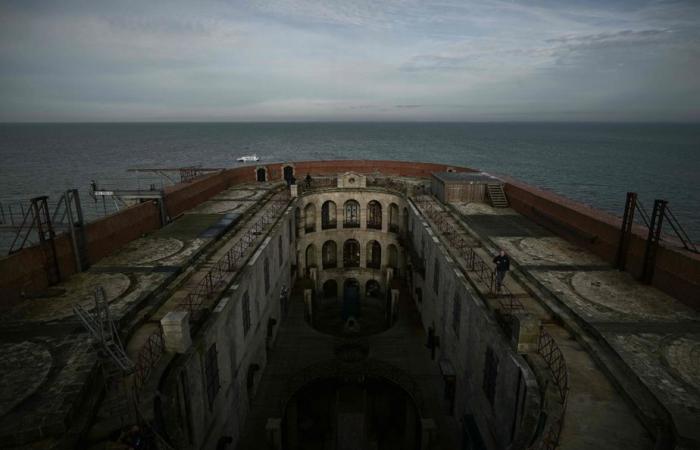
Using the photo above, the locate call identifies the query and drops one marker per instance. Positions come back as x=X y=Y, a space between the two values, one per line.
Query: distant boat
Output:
x=248 y=158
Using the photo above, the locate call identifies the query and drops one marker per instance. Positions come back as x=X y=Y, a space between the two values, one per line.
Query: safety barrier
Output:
x=474 y=263
x=230 y=262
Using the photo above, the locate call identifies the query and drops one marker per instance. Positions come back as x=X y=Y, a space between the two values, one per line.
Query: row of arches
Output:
x=373 y=289
x=351 y=255
x=351 y=216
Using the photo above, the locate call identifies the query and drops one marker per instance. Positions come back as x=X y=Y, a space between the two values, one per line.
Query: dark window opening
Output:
x=211 y=370
x=374 y=215
x=490 y=374
x=351 y=253
x=352 y=214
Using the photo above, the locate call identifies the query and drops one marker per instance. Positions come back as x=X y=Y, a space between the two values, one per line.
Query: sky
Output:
x=349 y=60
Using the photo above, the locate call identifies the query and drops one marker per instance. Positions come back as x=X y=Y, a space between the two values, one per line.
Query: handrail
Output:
x=231 y=261
x=551 y=353
x=475 y=263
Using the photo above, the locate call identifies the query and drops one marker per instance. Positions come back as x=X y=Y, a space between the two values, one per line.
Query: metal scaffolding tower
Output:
x=103 y=329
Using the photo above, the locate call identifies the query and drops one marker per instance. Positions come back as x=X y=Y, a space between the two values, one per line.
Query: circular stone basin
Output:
x=219 y=207
x=351 y=352
x=622 y=294
x=145 y=251
x=328 y=318
x=555 y=250
x=23 y=369
x=683 y=355
x=79 y=289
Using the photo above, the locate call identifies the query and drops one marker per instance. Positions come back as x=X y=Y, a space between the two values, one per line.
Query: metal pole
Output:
x=653 y=240
x=626 y=230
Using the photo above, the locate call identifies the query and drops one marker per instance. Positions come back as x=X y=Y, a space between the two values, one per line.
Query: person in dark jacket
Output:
x=502 y=266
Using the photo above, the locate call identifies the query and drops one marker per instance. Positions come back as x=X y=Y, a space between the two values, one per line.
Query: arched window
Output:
x=329 y=254
x=352 y=214
x=374 y=215
x=311 y=256
x=328 y=215
x=394 y=218
x=310 y=218
x=374 y=255
x=393 y=256
x=351 y=253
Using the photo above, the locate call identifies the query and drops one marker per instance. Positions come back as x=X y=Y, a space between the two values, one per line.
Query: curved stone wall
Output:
x=372 y=228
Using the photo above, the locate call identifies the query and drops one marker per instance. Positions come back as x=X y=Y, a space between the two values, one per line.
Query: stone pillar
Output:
x=308 y=304
x=526 y=332
x=428 y=430
x=176 y=331
x=313 y=274
x=319 y=216
x=273 y=431
x=389 y=276
x=293 y=191
x=409 y=438
x=292 y=425
x=394 y=305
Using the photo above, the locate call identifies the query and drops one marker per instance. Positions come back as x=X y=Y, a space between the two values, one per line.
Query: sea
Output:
x=592 y=163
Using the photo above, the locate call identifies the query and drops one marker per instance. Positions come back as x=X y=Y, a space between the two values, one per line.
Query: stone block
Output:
x=176 y=331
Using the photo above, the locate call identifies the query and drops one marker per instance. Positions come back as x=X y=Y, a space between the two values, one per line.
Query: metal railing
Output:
x=147 y=358
x=474 y=263
x=551 y=353
x=218 y=275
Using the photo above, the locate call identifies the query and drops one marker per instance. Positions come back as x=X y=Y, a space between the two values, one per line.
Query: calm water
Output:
x=592 y=163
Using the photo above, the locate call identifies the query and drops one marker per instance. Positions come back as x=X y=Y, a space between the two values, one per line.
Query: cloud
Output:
x=348 y=59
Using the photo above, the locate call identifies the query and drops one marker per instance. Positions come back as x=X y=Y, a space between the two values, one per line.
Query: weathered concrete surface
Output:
x=596 y=411
x=654 y=336
x=49 y=362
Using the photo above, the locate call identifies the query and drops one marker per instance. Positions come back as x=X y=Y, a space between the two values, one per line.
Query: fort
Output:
x=353 y=309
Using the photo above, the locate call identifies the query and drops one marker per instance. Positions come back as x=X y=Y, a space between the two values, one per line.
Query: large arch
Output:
x=330 y=289
x=351 y=253
x=329 y=255
x=351 y=217
x=374 y=215
x=374 y=255
x=310 y=217
x=329 y=218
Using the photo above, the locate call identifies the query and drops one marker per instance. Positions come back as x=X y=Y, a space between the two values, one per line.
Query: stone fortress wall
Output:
x=235 y=337
x=209 y=387
x=676 y=271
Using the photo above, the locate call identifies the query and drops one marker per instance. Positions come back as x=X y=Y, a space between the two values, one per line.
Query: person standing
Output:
x=502 y=266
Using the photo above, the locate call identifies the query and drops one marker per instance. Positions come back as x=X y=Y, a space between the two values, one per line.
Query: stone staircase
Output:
x=497 y=195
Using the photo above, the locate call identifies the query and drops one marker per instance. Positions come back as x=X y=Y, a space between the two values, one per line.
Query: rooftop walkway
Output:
x=632 y=351
x=51 y=379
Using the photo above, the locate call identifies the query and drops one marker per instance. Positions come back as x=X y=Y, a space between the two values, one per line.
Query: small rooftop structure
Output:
x=462 y=186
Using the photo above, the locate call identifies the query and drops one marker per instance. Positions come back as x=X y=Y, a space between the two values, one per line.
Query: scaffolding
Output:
x=653 y=223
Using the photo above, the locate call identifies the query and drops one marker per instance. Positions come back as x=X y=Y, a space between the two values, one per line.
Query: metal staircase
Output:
x=497 y=195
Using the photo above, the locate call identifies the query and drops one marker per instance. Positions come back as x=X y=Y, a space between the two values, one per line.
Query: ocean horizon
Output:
x=594 y=163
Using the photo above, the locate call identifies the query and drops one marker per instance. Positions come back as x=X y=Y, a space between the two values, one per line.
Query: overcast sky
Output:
x=250 y=60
